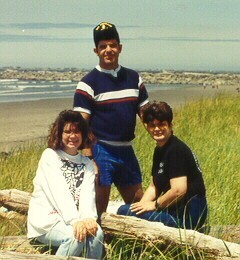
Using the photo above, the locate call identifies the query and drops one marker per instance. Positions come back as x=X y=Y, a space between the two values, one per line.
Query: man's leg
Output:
x=131 y=193
x=103 y=160
x=128 y=179
x=102 y=198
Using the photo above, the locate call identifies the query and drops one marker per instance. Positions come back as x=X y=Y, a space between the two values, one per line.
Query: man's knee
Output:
x=138 y=193
x=131 y=193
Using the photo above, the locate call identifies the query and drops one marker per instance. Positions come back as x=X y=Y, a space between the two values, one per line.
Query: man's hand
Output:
x=142 y=206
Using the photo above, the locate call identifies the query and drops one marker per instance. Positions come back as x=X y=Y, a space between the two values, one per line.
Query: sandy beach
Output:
x=25 y=121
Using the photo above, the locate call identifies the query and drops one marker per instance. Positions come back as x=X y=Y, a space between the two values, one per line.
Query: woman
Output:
x=176 y=194
x=62 y=211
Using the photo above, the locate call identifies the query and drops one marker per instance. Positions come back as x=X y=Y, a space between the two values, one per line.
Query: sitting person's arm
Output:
x=148 y=202
x=150 y=193
x=176 y=192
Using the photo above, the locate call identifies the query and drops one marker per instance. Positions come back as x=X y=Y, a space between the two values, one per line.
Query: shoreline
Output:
x=157 y=76
x=23 y=122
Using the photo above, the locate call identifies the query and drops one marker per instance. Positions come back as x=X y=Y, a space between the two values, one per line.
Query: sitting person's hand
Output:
x=142 y=206
x=80 y=230
x=84 y=227
x=91 y=226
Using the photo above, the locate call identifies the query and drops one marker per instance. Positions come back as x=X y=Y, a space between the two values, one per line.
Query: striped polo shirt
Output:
x=112 y=98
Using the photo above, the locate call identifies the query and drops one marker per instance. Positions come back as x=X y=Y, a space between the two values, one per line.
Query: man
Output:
x=109 y=97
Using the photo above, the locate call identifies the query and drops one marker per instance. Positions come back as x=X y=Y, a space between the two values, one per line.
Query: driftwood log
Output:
x=131 y=228
x=167 y=237
x=24 y=256
x=14 y=199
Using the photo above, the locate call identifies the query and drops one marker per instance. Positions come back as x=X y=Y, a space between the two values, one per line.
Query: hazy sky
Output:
x=156 y=34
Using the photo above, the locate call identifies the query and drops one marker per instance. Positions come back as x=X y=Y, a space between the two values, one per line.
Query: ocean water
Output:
x=13 y=90
x=22 y=90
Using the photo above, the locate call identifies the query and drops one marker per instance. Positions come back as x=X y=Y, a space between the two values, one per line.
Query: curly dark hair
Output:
x=157 y=110
x=56 y=129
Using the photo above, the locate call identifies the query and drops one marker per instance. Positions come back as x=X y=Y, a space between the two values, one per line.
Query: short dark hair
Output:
x=56 y=129
x=157 y=110
x=105 y=31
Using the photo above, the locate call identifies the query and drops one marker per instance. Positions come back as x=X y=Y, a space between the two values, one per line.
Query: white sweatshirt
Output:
x=57 y=191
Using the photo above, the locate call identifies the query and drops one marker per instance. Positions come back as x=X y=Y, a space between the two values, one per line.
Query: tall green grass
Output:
x=18 y=169
x=210 y=127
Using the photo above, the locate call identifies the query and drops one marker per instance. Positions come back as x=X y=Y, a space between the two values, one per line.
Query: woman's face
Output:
x=71 y=139
x=160 y=131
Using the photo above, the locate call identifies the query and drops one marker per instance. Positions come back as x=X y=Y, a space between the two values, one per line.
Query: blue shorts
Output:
x=116 y=164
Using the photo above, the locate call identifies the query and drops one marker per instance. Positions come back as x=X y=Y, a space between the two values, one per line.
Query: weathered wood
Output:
x=24 y=256
x=18 y=200
x=147 y=232
x=130 y=227
x=14 y=199
x=157 y=233
x=229 y=233
x=20 y=244
x=12 y=215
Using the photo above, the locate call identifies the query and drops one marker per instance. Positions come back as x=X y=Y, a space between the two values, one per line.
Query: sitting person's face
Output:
x=71 y=138
x=160 y=131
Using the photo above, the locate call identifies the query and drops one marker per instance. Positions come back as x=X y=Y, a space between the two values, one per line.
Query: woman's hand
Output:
x=142 y=206
x=80 y=230
x=84 y=227
x=91 y=226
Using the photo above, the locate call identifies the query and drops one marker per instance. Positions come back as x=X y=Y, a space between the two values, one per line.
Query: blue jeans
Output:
x=61 y=236
x=192 y=217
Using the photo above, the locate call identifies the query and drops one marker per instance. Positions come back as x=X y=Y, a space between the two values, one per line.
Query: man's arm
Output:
x=140 y=110
x=88 y=150
x=86 y=116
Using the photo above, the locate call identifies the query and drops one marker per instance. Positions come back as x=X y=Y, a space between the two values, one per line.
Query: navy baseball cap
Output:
x=105 y=31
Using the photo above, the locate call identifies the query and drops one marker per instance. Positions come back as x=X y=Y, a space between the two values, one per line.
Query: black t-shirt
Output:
x=175 y=159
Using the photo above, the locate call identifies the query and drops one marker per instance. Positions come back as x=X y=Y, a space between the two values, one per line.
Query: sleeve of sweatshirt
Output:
x=54 y=186
x=87 y=200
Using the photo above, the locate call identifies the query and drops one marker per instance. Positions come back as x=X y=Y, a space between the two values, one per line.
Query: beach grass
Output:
x=209 y=126
x=19 y=167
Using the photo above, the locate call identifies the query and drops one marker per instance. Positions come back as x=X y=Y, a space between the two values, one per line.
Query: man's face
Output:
x=108 y=52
